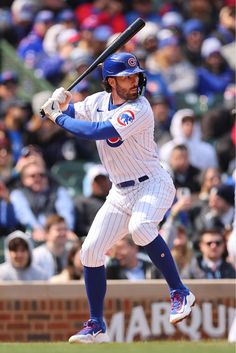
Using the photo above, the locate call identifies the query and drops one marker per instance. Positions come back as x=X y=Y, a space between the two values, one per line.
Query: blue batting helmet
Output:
x=120 y=64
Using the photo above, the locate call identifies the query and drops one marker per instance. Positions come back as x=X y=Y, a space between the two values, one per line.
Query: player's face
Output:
x=126 y=87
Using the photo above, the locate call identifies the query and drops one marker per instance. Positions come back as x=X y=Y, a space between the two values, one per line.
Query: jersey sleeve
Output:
x=133 y=118
x=84 y=109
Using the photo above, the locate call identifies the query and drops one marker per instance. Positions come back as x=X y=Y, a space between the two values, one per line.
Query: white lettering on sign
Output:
x=201 y=321
x=138 y=325
x=192 y=328
x=160 y=319
x=207 y=320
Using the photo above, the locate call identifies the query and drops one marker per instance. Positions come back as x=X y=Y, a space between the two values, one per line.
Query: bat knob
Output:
x=42 y=113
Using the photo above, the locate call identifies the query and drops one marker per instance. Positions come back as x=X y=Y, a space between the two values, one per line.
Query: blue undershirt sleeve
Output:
x=86 y=129
x=70 y=111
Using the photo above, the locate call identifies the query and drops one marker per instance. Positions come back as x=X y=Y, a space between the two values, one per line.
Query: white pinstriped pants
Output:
x=136 y=210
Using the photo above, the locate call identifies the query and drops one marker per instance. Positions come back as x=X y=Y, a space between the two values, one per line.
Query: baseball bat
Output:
x=122 y=39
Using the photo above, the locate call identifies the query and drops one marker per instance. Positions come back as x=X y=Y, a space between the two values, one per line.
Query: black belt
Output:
x=125 y=184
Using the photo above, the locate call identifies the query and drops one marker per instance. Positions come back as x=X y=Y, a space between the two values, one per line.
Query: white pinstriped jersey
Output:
x=135 y=154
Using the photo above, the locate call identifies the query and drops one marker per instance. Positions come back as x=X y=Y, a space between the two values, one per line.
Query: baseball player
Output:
x=120 y=119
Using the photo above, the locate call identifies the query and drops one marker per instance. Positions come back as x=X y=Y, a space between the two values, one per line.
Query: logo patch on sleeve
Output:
x=114 y=142
x=125 y=118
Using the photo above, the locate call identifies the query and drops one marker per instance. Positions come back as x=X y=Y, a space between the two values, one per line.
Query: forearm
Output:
x=70 y=111
x=87 y=130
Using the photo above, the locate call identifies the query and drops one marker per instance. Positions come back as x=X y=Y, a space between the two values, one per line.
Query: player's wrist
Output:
x=54 y=116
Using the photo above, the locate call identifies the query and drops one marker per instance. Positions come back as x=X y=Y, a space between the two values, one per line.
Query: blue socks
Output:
x=95 y=283
x=95 y=277
x=161 y=257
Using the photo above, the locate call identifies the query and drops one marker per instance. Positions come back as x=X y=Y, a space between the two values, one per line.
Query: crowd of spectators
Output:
x=187 y=50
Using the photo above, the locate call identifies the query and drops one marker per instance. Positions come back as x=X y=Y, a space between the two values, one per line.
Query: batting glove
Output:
x=63 y=97
x=52 y=109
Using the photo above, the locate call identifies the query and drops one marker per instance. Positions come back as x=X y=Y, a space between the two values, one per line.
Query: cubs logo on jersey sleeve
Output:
x=125 y=118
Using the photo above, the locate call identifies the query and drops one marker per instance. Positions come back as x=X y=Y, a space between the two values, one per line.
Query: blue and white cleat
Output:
x=181 y=303
x=94 y=331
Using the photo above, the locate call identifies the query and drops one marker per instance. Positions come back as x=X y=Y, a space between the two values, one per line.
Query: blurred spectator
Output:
x=193 y=33
x=215 y=74
x=184 y=174
x=173 y=21
x=67 y=18
x=225 y=31
x=127 y=263
x=31 y=50
x=32 y=45
x=185 y=129
x=29 y=154
x=114 y=15
x=201 y=10
x=147 y=38
x=50 y=39
x=99 y=39
x=80 y=60
x=217 y=126
x=179 y=214
x=177 y=238
x=37 y=197
x=19 y=260
x=87 y=206
x=156 y=86
x=105 y=12
x=81 y=91
x=23 y=12
x=74 y=268
x=219 y=211
x=211 y=263
x=231 y=247
x=162 y=118
x=170 y=61
x=6 y=26
x=8 y=89
x=15 y=120
x=51 y=256
x=129 y=46
x=143 y=9
x=8 y=221
x=6 y=159
x=210 y=178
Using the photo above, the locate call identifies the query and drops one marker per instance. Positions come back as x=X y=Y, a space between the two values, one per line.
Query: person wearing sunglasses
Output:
x=38 y=196
x=211 y=262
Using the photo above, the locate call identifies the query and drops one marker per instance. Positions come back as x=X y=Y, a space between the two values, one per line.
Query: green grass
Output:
x=137 y=347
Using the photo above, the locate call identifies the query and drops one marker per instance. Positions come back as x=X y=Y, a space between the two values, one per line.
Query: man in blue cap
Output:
x=32 y=45
x=193 y=33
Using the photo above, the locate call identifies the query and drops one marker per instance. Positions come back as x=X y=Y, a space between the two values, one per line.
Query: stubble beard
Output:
x=126 y=95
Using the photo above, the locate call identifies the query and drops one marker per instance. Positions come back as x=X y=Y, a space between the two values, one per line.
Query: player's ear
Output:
x=111 y=81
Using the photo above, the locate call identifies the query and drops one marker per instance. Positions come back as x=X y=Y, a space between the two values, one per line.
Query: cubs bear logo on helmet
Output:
x=121 y=64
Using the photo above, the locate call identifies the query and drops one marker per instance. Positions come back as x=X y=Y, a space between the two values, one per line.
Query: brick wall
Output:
x=134 y=311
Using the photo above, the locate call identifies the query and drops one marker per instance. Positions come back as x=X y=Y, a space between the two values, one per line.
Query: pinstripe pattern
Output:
x=136 y=210
x=137 y=155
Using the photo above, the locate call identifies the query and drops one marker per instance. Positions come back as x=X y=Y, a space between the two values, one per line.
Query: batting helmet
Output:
x=122 y=64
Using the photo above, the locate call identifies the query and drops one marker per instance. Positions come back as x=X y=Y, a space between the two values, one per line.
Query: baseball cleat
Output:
x=181 y=303
x=93 y=332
